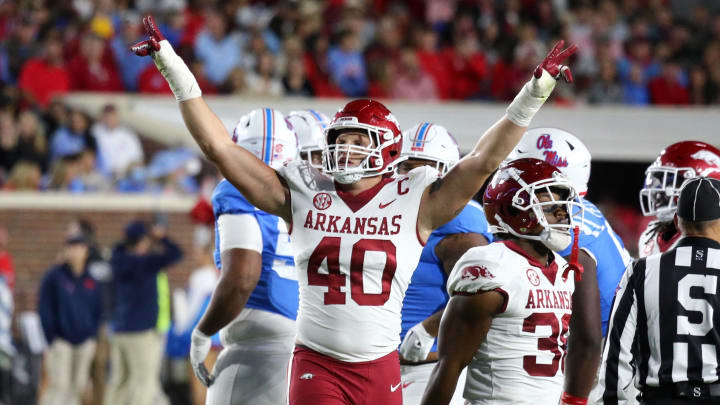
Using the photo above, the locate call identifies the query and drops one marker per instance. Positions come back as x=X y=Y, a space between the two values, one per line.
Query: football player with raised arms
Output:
x=254 y=304
x=357 y=232
x=602 y=252
x=676 y=164
x=511 y=305
x=428 y=144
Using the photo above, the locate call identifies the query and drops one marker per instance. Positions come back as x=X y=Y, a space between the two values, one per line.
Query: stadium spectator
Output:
x=218 y=49
x=635 y=87
x=295 y=82
x=263 y=81
x=667 y=88
x=129 y=65
x=702 y=90
x=412 y=82
x=136 y=346
x=73 y=138
x=70 y=308
x=92 y=69
x=45 y=77
x=19 y=47
x=468 y=67
x=119 y=148
x=23 y=141
x=346 y=65
x=607 y=90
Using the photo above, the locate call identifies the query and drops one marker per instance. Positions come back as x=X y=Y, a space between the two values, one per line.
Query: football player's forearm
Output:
x=432 y=323
x=227 y=301
x=205 y=127
x=441 y=386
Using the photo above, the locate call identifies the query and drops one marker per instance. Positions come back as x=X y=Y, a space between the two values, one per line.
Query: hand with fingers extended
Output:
x=199 y=349
x=551 y=69
x=535 y=92
x=144 y=48
x=173 y=68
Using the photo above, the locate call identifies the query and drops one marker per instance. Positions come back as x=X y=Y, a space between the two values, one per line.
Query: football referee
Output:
x=664 y=333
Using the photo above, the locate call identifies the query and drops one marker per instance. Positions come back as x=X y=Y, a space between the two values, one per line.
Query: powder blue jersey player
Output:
x=597 y=238
x=426 y=296
x=256 y=299
x=277 y=288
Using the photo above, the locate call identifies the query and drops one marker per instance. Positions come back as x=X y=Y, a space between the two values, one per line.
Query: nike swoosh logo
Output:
x=385 y=205
x=407 y=384
x=394 y=388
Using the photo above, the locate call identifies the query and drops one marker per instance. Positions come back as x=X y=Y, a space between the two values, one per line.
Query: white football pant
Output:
x=415 y=379
x=253 y=366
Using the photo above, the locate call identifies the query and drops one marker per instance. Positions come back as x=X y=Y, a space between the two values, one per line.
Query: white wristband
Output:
x=178 y=75
x=530 y=98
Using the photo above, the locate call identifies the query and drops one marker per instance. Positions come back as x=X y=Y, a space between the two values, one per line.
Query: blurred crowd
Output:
x=640 y=52
x=631 y=51
x=63 y=149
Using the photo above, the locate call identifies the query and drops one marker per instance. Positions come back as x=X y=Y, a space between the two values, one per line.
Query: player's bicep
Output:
x=445 y=198
x=465 y=325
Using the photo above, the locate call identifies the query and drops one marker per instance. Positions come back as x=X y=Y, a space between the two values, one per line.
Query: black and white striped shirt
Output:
x=663 y=323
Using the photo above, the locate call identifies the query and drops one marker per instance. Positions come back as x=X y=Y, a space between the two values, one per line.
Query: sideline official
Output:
x=664 y=331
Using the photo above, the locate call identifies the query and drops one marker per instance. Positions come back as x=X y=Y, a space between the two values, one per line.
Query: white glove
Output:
x=417 y=344
x=199 y=348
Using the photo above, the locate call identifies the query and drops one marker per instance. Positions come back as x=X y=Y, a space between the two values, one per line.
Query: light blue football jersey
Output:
x=598 y=237
x=426 y=293
x=277 y=289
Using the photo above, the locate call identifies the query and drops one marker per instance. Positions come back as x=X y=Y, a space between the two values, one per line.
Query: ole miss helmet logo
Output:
x=533 y=277
x=322 y=201
x=472 y=273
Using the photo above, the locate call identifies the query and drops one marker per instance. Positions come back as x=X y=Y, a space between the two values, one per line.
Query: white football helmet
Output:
x=431 y=142
x=559 y=148
x=266 y=135
x=309 y=126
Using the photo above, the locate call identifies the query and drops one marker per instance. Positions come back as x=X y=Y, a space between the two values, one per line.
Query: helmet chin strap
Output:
x=573 y=265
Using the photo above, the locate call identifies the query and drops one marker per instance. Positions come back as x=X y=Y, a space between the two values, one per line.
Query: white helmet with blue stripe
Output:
x=309 y=126
x=428 y=141
x=559 y=148
x=265 y=133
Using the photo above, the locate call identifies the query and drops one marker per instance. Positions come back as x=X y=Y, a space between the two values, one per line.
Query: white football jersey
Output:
x=651 y=243
x=522 y=360
x=354 y=257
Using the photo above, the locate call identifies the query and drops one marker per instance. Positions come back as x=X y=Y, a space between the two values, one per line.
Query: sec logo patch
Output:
x=533 y=277
x=322 y=201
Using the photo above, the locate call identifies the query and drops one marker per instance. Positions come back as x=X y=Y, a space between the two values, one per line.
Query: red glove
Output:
x=553 y=62
x=152 y=44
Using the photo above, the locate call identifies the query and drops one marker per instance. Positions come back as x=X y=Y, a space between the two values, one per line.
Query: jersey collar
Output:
x=550 y=271
x=698 y=241
x=356 y=202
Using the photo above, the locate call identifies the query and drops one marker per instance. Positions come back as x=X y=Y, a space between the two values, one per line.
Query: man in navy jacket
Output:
x=136 y=347
x=70 y=307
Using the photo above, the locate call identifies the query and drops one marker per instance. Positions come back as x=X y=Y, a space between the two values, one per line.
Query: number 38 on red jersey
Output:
x=523 y=355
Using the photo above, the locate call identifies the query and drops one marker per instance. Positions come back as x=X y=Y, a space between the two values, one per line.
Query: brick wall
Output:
x=37 y=237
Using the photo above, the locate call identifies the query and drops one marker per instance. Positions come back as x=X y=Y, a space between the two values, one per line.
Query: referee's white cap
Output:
x=700 y=200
